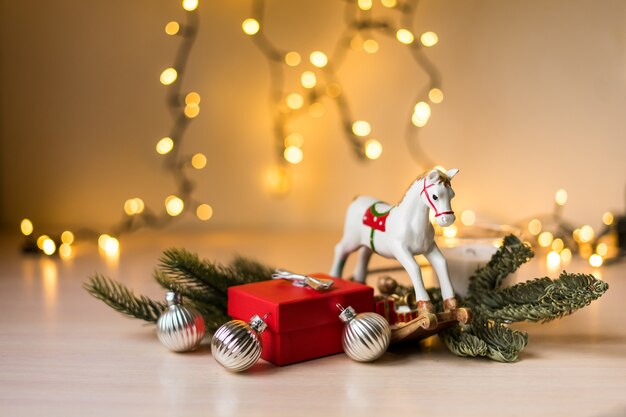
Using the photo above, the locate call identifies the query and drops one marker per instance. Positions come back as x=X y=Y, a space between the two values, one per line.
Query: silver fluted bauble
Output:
x=180 y=328
x=366 y=335
x=236 y=345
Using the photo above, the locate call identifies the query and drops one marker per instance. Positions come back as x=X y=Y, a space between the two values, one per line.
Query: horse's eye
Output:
x=435 y=197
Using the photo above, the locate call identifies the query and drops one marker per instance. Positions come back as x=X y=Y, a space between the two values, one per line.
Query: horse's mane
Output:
x=442 y=178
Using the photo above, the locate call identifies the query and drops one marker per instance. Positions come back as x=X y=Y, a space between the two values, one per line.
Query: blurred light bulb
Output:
x=26 y=226
x=65 y=250
x=421 y=114
x=566 y=256
x=171 y=28
x=553 y=260
x=293 y=155
x=40 y=241
x=278 y=180
x=608 y=218
x=294 y=101
x=595 y=260
x=373 y=149
x=308 y=79
x=190 y=5
x=586 y=234
x=174 y=205
x=112 y=246
x=294 y=139
x=389 y=3
x=250 y=26
x=319 y=59
x=198 y=161
x=560 y=197
x=602 y=249
x=450 y=231
x=168 y=76
x=558 y=245
x=192 y=110
x=435 y=95
x=534 y=227
x=102 y=240
x=364 y=4
x=545 y=239
x=361 y=128
x=204 y=212
x=468 y=217
x=192 y=98
x=48 y=246
x=292 y=59
x=429 y=39
x=164 y=145
x=405 y=36
x=67 y=237
x=133 y=206
x=370 y=46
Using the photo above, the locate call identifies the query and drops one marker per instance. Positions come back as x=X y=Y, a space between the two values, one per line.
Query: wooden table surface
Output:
x=63 y=353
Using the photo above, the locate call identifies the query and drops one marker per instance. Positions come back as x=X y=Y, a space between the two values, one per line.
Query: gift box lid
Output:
x=294 y=308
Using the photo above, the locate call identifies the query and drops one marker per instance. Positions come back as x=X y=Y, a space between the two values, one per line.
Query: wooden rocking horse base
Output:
x=421 y=328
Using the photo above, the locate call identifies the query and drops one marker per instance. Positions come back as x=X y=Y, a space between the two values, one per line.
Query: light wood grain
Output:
x=64 y=353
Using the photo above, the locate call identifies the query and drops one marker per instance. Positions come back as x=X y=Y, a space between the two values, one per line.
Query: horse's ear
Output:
x=433 y=175
x=452 y=173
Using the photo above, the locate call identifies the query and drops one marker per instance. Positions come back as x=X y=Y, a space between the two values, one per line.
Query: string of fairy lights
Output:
x=317 y=74
x=183 y=108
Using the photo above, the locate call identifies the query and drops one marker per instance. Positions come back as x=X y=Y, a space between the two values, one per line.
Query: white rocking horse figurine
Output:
x=401 y=232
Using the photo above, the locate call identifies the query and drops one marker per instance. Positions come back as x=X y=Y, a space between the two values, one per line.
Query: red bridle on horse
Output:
x=437 y=214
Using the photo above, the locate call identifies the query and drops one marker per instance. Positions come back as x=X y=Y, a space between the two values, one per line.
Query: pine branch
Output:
x=510 y=256
x=122 y=299
x=184 y=266
x=541 y=299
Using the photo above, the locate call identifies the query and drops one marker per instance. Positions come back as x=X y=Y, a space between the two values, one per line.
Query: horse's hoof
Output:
x=462 y=315
x=429 y=320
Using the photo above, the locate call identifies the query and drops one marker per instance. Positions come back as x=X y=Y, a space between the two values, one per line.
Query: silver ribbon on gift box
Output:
x=299 y=280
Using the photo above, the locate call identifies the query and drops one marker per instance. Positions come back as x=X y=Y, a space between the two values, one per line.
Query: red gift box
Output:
x=302 y=323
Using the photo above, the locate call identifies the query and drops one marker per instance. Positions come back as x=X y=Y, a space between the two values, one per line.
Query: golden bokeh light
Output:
x=602 y=249
x=421 y=114
x=560 y=197
x=534 y=227
x=40 y=241
x=293 y=155
x=586 y=234
x=67 y=237
x=278 y=180
x=204 y=212
x=389 y=3
x=361 y=128
x=364 y=4
x=429 y=39
x=102 y=240
x=190 y=5
x=566 y=256
x=370 y=46
x=405 y=36
x=317 y=110
x=133 y=206
x=48 y=246
x=294 y=101
x=545 y=239
x=26 y=226
x=198 y=161
x=294 y=139
x=553 y=260
x=250 y=26
x=450 y=231
x=192 y=110
x=292 y=59
x=373 y=149
x=319 y=59
x=112 y=246
x=608 y=218
x=65 y=250
x=168 y=76
x=192 y=98
x=468 y=217
x=308 y=79
x=174 y=205
x=164 y=145
x=171 y=28
x=596 y=260
x=435 y=95
x=558 y=245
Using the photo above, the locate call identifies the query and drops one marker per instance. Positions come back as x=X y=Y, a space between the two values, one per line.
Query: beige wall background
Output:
x=535 y=100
